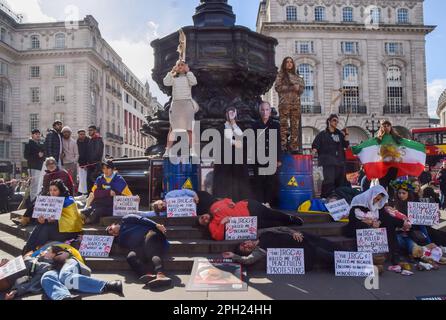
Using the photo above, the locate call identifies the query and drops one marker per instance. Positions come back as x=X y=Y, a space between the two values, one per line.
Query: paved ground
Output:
x=317 y=285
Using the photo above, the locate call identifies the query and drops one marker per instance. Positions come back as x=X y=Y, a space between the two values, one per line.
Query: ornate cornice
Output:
x=355 y=3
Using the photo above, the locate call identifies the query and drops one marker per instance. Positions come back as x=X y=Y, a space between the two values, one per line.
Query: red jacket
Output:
x=55 y=175
x=222 y=209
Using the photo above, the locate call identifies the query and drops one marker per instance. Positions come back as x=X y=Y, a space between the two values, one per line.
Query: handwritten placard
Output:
x=12 y=267
x=285 y=261
x=372 y=240
x=123 y=206
x=96 y=246
x=423 y=214
x=338 y=209
x=48 y=207
x=181 y=207
x=242 y=228
x=354 y=264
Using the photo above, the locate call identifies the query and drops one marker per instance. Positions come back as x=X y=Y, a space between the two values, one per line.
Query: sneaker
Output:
x=72 y=298
x=407 y=273
x=160 y=281
x=267 y=205
x=147 y=278
x=424 y=266
x=396 y=269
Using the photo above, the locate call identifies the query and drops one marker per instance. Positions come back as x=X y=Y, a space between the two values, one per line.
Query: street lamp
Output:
x=370 y=126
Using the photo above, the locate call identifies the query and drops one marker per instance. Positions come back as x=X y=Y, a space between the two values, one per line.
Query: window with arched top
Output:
x=347 y=14
x=402 y=15
x=35 y=42
x=394 y=89
x=319 y=13
x=307 y=72
x=59 y=41
x=350 y=86
x=291 y=13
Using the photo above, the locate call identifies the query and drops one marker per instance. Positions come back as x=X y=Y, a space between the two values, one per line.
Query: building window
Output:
x=394 y=89
x=135 y=104
x=35 y=42
x=394 y=48
x=319 y=14
x=59 y=116
x=375 y=15
x=304 y=47
x=34 y=122
x=34 y=72
x=3 y=101
x=35 y=95
x=350 y=48
x=291 y=13
x=307 y=72
x=347 y=14
x=108 y=126
x=113 y=108
x=350 y=83
x=113 y=128
x=108 y=105
x=59 y=41
x=93 y=75
x=4 y=150
x=403 y=15
x=3 y=34
x=59 y=70
x=93 y=98
x=3 y=69
x=59 y=94
x=127 y=97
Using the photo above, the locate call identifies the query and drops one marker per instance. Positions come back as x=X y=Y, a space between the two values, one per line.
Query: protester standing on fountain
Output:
x=82 y=146
x=70 y=154
x=330 y=146
x=53 y=142
x=290 y=86
x=183 y=108
x=34 y=153
x=231 y=180
x=95 y=151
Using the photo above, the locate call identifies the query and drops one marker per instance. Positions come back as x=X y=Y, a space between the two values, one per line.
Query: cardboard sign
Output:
x=423 y=214
x=354 y=264
x=48 y=207
x=12 y=267
x=217 y=275
x=123 y=206
x=285 y=261
x=372 y=240
x=181 y=207
x=96 y=246
x=338 y=209
x=242 y=228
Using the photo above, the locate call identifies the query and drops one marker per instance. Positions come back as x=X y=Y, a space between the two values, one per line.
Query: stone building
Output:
x=441 y=110
x=374 y=51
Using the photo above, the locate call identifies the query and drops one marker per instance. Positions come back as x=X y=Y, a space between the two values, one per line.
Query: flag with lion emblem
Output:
x=409 y=157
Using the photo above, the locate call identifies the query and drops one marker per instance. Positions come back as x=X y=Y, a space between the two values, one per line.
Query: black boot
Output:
x=72 y=298
x=115 y=287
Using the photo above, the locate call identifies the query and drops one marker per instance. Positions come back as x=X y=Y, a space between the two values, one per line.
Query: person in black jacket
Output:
x=330 y=146
x=35 y=155
x=53 y=142
x=441 y=176
x=4 y=195
x=82 y=146
x=95 y=151
x=426 y=176
x=265 y=186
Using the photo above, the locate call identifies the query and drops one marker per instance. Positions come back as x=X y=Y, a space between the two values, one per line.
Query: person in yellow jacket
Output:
x=68 y=227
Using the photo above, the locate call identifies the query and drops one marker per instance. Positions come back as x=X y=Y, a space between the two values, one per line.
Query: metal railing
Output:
x=353 y=109
x=397 y=109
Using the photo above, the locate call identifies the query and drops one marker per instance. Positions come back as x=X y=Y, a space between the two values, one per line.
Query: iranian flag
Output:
x=409 y=157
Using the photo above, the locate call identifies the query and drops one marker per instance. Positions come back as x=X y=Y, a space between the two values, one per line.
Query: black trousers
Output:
x=267 y=218
x=4 y=205
x=44 y=233
x=148 y=258
x=437 y=236
x=95 y=213
x=93 y=172
x=318 y=249
x=266 y=189
x=391 y=175
x=334 y=177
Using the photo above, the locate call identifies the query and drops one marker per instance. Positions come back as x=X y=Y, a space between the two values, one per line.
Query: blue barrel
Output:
x=180 y=176
x=296 y=181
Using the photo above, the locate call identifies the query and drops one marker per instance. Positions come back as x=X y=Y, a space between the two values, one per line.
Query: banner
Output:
x=338 y=209
x=48 y=207
x=423 y=214
x=216 y=275
x=372 y=240
x=181 y=207
x=12 y=267
x=123 y=206
x=242 y=228
x=96 y=246
x=285 y=261
x=354 y=264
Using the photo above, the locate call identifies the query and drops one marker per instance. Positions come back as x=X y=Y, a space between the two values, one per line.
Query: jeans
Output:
x=44 y=233
x=57 y=286
x=405 y=242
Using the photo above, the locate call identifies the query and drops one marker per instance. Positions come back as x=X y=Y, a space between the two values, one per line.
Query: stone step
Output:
x=11 y=244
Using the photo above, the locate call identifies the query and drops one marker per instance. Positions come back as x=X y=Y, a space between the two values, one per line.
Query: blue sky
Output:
x=130 y=25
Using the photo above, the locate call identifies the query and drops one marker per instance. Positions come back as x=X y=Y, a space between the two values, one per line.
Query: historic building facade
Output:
x=69 y=72
x=441 y=110
x=359 y=58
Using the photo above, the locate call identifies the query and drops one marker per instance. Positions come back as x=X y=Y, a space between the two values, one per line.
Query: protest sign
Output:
x=242 y=228
x=423 y=214
x=354 y=264
x=285 y=261
x=96 y=246
x=48 y=207
x=123 y=206
x=12 y=267
x=372 y=240
x=338 y=209
x=181 y=207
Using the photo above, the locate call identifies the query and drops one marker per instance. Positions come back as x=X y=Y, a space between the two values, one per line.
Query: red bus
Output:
x=435 y=141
